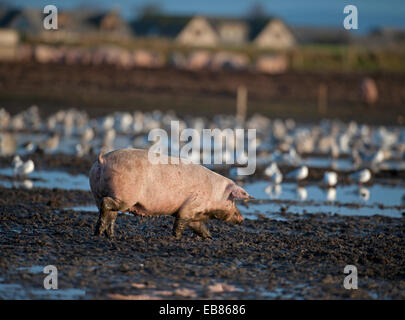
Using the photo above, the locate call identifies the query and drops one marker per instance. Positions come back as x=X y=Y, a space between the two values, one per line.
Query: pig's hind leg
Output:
x=108 y=214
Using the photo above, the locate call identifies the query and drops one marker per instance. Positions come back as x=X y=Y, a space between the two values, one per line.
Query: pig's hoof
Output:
x=207 y=236
x=177 y=235
x=201 y=229
x=203 y=234
x=109 y=235
x=178 y=228
x=99 y=229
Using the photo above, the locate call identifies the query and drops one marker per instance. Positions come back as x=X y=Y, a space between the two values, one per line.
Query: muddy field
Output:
x=101 y=89
x=289 y=256
x=296 y=239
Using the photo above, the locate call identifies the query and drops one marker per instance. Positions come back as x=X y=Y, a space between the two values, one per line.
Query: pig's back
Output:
x=159 y=188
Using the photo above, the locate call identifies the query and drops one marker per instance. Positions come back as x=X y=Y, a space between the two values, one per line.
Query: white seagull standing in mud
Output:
x=277 y=177
x=271 y=169
x=22 y=168
x=299 y=174
x=361 y=176
x=330 y=178
x=274 y=173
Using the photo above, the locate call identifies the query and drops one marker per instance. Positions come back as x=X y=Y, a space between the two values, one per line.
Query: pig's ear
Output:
x=236 y=192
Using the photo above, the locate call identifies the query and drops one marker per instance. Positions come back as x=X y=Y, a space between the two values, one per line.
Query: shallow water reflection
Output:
x=47 y=179
x=346 y=200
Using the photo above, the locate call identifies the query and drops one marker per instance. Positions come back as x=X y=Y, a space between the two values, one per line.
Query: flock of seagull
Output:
x=277 y=141
x=330 y=178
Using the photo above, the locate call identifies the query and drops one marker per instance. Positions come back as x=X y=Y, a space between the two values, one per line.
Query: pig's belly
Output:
x=147 y=198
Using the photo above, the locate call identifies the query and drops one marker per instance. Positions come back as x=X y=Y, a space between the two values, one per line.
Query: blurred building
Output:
x=198 y=31
x=271 y=33
x=9 y=41
x=24 y=21
x=72 y=25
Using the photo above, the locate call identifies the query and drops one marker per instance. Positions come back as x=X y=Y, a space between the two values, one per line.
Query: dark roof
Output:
x=7 y=16
x=171 y=26
x=160 y=25
x=81 y=20
x=257 y=25
x=12 y=17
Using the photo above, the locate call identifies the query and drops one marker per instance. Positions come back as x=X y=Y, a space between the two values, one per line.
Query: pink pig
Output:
x=125 y=180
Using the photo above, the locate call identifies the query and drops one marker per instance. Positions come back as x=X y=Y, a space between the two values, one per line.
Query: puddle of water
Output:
x=337 y=164
x=271 y=208
x=327 y=200
x=33 y=269
x=378 y=194
x=284 y=293
x=59 y=294
x=12 y=292
x=15 y=291
x=48 y=179
x=89 y=208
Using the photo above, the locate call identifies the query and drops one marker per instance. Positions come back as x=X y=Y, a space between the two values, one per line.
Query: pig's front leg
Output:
x=108 y=214
x=184 y=216
x=200 y=228
x=179 y=226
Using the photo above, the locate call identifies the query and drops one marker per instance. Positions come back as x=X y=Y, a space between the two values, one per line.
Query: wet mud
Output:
x=298 y=256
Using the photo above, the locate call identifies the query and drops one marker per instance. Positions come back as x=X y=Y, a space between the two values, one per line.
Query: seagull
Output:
x=107 y=122
x=299 y=174
x=373 y=158
x=271 y=169
x=292 y=156
x=16 y=163
x=277 y=177
x=82 y=149
x=22 y=168
x=361 y=176
x=108 y=138
x=330 y=178
x=87 y=135
x=29 y=146
x=52 y=143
